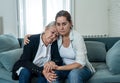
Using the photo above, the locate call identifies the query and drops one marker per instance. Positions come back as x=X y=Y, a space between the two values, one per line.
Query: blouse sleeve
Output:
x=80 y=49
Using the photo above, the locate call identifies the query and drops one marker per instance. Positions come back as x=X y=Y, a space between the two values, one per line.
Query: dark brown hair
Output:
x=65 y=14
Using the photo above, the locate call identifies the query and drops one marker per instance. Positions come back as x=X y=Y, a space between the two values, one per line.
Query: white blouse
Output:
x=78 y=45
x=67 y=54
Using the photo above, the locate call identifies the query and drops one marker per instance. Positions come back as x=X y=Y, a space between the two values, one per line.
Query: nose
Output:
x=61 y=26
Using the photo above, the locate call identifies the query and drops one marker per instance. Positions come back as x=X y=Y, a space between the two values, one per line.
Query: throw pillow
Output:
x=0 y=65
x=96 y=51
x=0 y=62
x=9 y=58
x=113 y=58
x=8 y=42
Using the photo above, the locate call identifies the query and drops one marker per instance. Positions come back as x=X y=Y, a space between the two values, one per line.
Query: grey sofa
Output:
x=103 y=53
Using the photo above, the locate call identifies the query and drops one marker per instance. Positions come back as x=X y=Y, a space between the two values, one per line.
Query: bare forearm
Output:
x=69 y=67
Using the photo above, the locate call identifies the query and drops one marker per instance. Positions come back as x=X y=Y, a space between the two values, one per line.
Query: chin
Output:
x=62 y=34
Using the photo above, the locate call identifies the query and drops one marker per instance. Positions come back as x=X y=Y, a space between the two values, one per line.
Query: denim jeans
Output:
x=79 y=75
x=25 y=77
x=62 y=75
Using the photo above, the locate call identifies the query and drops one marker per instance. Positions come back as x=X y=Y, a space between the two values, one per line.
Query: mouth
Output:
x=61 y=31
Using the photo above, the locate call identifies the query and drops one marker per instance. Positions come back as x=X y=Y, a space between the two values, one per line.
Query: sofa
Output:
x=103 y=53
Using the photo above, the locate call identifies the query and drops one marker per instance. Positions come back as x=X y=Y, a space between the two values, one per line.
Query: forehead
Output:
x=52 y=28
x=61 y=19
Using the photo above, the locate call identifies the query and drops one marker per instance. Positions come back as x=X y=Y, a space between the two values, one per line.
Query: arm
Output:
x=80 y=50
x=29 y=53
x=69 y=67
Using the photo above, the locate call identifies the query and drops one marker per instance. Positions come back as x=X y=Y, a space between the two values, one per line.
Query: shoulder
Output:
x=34 y=37
x=78 y=40
x=76 y=34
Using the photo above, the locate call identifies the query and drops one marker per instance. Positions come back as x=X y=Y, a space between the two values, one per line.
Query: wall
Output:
x=1 y=25
x=114 y=14
x=8 y=13
x=91 y=17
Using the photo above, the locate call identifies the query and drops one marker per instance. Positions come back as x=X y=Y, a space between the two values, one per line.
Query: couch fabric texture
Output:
x=113 y=58
x=103 y=53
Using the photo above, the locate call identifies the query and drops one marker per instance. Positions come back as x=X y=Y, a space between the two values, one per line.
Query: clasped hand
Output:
x=48 y=71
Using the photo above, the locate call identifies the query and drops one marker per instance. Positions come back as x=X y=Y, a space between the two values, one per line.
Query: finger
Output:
x=27 y=41
x=47 y=69
x=53 y=76
x=51 y=79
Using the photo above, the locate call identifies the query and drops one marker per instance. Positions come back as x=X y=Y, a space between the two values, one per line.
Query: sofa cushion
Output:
x=6 y=76
x=0 y=65
x=113 y=58
x=10 y=57
x=104 y=76
x=96 y=51
x=8 y=42
x=0 y=62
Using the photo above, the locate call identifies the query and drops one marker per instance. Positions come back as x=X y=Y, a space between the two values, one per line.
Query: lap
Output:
x=62 y=74
x=83 y=73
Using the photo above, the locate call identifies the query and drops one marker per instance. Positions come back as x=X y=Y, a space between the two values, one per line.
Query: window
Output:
x=33 y=15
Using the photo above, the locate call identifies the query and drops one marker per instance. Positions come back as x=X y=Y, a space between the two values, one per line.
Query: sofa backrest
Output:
x=97 y=53
x=8 y=42
x=98 y=47
x=108 y=41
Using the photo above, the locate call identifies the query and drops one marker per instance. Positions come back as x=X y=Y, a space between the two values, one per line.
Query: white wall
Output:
x=8 y=13
x=114 y=18
x=91 y=17
x=1 y=25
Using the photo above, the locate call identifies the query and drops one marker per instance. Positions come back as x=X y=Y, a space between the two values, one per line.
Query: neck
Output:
x=65 y=36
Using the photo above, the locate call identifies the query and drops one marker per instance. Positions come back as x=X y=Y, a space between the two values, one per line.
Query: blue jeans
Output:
x=79 y=75
x=26 y=76
x=62 y=75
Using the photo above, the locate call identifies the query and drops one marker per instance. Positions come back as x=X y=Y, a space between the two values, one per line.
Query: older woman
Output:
x=39 y=52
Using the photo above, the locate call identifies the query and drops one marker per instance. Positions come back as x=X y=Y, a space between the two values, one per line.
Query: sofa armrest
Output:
x=21 y=42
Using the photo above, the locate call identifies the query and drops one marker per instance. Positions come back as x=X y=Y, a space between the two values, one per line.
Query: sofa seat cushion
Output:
x=6 y=76
x=96 y=51
x=113 y=58
x=8 y=42
x=99 y=65
x=103 y=75
x=9 y=58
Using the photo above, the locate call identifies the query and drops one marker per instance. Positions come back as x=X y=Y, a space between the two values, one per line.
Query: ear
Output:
x=71 y=24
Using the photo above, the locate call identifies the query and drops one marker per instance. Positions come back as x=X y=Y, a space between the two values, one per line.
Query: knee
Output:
x=74 y=73
x=74 y=77
x=25 y=72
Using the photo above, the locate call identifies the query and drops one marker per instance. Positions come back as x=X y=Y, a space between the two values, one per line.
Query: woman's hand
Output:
x=50 y=76
x=50 y=66
x=26 y=40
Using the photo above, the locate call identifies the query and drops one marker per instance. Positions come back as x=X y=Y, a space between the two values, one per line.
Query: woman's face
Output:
x=63 y=26
x=51 y=34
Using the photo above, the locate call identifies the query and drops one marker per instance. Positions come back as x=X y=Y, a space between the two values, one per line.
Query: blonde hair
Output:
x=50 y=24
